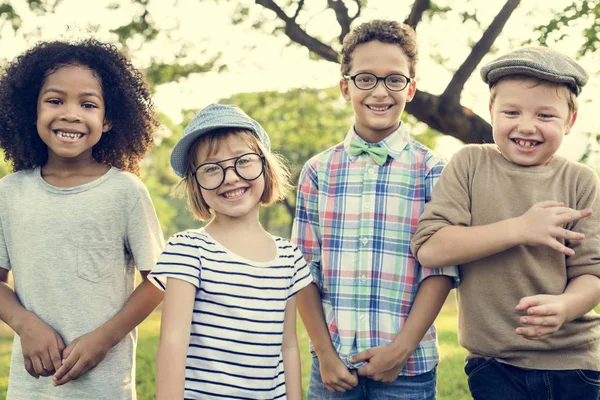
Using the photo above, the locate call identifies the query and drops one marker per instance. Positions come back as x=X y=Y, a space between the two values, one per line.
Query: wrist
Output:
x=325 y=351
x=19 y=320
x=514 y=232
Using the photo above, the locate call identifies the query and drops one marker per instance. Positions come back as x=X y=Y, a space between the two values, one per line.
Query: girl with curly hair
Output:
x=75 y=221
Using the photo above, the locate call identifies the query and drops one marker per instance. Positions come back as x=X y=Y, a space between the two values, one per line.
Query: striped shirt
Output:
x=237 y=324
x=354 y=221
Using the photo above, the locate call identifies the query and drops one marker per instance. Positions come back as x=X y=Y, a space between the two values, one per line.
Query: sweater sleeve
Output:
x=451 y=200
x=587 y=252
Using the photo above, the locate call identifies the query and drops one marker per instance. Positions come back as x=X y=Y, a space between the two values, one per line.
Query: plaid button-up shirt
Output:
x=354 y=221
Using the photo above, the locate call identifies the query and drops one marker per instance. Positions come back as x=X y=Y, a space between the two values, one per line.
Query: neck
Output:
x=248 y=224
x=62 y=166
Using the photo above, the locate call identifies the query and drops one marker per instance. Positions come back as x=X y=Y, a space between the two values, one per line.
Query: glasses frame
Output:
x=377 y=79
x=234 y=167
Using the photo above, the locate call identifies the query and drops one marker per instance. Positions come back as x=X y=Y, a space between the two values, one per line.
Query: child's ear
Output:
x=344 y=89
x=491 y=114
x=412 y=90
x=571 y=122
x=106 y=126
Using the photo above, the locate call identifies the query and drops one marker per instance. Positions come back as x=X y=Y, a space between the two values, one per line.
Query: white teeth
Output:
x=378 y=108
x=68 y=135
x=234 y=193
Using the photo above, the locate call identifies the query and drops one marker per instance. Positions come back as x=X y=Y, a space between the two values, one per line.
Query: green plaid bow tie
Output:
x=377 y=153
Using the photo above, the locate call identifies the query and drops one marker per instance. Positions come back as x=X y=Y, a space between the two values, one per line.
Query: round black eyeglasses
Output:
x=368 y=81
x=211 y=175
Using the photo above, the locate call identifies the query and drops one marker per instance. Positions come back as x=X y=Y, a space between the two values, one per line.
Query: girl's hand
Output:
x=546 y=314
x=335 y=375
x=42 y=346
x=82 y=355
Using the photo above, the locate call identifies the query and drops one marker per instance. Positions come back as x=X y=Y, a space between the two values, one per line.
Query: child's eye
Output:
x=53 y=101
x=546 y=116
x=510 y=113
x=89 y=105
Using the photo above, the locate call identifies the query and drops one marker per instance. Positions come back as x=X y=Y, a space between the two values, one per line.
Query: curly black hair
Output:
x=127 y=100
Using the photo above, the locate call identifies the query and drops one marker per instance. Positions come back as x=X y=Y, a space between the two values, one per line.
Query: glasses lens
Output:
x=365 y=81
x=209 y=175
x=396 y=82
x=249 y=166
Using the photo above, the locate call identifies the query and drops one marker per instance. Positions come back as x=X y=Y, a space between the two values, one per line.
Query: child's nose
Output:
x=71 y=113
x=380 y=90
x=230 y=175
x=526 y=125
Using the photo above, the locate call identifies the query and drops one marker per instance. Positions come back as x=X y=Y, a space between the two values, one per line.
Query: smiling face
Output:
x=377 y=111
x=529 y=120
x=236 y=197
x=70 y=114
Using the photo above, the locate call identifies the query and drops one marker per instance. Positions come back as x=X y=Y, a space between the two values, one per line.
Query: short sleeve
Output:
x=180 y=259
x=302 y=276
x=144 y=236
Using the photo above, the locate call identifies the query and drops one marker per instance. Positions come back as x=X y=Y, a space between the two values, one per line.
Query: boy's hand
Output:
x=384 y=362
x=42 y=346
x=335 y=375
x=545 y=315
x=82 y=355
x=543 y=224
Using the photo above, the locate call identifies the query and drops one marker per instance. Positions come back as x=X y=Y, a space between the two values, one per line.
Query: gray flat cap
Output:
x=214 y=116
x=538 y=62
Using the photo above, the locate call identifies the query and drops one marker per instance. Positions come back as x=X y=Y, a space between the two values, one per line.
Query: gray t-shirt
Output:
x=73 y=253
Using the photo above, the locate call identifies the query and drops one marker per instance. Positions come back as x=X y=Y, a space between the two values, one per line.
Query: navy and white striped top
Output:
x=237 y=325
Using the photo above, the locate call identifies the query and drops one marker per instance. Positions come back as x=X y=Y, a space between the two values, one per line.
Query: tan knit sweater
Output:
x=478 y=187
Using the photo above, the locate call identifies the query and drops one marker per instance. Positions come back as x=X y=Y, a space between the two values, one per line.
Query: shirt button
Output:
x=362 y=317
x=367 y=205
x=371 y=171
x=363 y=278
x=364 y=241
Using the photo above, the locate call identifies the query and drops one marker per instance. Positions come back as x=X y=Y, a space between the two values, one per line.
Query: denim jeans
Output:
x=492 y=380
x=419 y=387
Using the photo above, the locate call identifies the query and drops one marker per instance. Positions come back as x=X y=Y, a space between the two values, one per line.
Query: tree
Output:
x=443 y=112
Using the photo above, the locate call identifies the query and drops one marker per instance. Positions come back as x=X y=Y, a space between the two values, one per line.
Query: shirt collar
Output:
x=395 y=143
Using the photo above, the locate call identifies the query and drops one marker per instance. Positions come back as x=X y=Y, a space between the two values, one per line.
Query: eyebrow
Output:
x=83 y=94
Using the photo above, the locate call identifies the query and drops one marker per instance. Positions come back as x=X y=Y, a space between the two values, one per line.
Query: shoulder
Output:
x=325 y=157
x=425 y=156
x=475 y=154
x=583 y=176
x=16 y=179
x=194 y=237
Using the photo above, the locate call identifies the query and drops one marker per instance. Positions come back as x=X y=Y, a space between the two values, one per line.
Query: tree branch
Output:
x=298 y=9
x=416 y=13
x=299 y=35
x=450 y=118
x=481 y=48
x=342 y=16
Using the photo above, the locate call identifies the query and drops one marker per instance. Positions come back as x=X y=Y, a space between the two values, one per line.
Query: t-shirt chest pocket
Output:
x=97 y=261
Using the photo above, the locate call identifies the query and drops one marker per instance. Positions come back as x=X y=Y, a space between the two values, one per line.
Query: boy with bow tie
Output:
x=370 y=311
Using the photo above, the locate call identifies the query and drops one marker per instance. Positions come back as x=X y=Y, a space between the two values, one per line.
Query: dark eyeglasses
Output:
x=368 y=81
x=211 y=175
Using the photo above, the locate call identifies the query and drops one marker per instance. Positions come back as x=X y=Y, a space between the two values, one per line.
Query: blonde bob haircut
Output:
x=276 y=172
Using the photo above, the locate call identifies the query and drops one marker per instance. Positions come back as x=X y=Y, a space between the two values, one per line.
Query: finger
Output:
x=542 y=310
x=29 y=368
x=541 y=321
x=561 y=248
x=362 y=356
x=365 y=371
x=571 y=215
x=550 y=203
x=535 y=332
x=566 y=234
x=526 y=302
x=55 y=358
x=66 y=366
x=78 y=369
x=37 y=366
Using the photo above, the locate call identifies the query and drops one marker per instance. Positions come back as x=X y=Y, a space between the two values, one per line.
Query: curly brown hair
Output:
x=384 y=31
x=126 y=96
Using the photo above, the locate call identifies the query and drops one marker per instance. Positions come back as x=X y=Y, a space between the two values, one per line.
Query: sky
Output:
x=258 y=60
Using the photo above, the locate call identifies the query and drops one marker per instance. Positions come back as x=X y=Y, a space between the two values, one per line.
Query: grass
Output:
x=452 y=383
